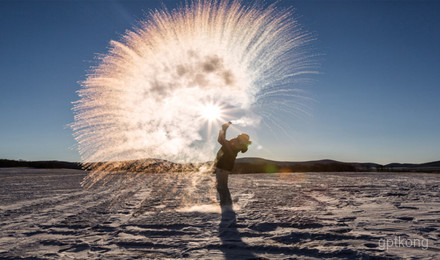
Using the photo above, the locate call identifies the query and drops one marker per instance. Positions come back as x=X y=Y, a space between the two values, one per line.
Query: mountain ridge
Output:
x=242 y=165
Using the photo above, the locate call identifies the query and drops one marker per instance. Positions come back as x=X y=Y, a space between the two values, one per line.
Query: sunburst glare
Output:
x=211 y=112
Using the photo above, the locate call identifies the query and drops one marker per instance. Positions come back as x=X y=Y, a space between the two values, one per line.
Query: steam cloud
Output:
x=144 y=98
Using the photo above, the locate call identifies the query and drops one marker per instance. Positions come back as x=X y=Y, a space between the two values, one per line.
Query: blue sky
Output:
x=376 y=99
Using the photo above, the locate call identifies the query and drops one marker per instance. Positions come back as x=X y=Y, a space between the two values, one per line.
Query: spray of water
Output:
x=160 y=88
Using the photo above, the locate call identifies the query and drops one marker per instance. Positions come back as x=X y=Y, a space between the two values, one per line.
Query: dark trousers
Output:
x=222 y=187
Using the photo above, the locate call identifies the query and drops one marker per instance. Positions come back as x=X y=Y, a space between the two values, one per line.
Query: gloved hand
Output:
x=226 y=125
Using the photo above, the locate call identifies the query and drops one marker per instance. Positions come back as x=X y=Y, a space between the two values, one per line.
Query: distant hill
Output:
x=248 y=165
x=145 y=165
x=411 y=167
x=40 y=164
x=242 y=165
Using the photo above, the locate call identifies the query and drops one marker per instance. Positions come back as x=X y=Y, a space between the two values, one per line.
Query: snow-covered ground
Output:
x=47 y=214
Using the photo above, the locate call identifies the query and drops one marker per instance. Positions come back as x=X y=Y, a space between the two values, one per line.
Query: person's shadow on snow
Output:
x=233 y=246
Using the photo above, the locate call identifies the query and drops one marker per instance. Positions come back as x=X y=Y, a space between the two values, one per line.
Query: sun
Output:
x=211 y=112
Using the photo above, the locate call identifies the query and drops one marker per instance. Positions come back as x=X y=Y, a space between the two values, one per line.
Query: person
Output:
x=225 y=162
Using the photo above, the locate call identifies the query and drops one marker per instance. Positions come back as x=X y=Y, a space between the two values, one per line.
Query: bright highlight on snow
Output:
x=156 y=92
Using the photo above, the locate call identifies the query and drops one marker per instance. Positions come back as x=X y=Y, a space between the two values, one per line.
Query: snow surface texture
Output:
x=46 y=214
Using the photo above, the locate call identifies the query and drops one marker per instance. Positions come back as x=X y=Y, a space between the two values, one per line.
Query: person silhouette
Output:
x=225 y=161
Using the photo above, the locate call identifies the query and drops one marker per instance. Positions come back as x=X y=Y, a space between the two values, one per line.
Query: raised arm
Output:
x=222 y=133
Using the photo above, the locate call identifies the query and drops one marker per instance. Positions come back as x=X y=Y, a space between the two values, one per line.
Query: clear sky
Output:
x=376 y=99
